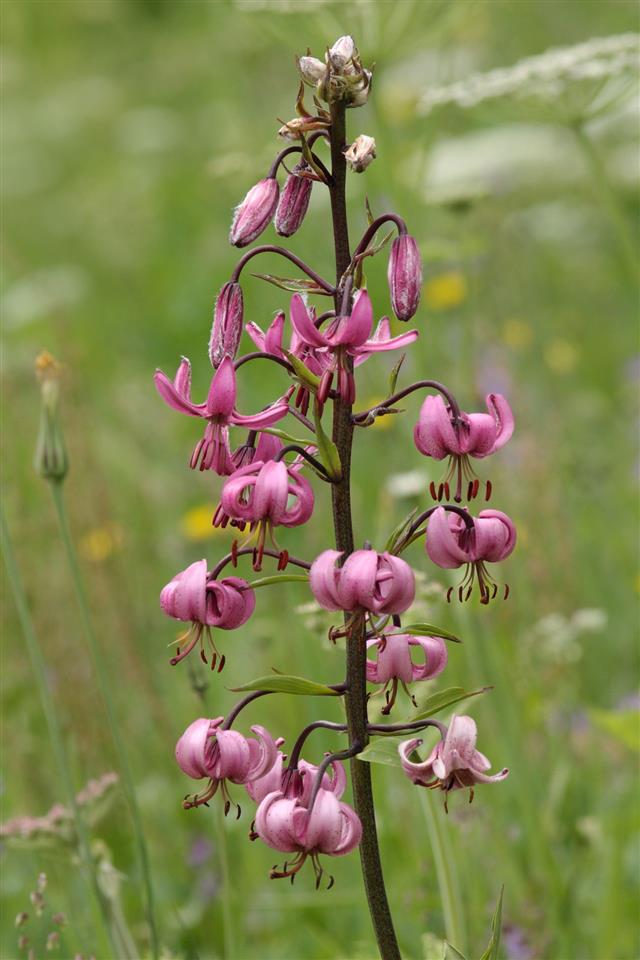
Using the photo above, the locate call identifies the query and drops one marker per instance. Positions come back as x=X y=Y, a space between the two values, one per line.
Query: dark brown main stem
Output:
x=356 y=694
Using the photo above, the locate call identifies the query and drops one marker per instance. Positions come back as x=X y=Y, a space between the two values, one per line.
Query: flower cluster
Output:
x=266 y=483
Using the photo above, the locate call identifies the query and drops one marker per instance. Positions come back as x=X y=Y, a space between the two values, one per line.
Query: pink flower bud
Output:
x=378 y=582
x=255 y=212
x=454 y=763
x=405 y=276
x=227 y=324
x=293 y=202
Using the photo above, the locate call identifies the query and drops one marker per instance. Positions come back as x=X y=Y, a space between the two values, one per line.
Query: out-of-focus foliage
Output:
x=130 y=129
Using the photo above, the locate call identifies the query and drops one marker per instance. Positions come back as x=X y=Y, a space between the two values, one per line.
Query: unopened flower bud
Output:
x=294 y=201
x=343 y=50
x=311 y=70
x=50 y=459
x=405 y=276
x=255 y=212
x=228 y=315
x=359 y=89
x=361 y=152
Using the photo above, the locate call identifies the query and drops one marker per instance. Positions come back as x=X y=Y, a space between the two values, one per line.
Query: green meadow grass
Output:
x=130 y=130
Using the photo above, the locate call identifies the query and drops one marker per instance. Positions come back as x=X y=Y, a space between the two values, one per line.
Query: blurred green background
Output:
x=130 y=130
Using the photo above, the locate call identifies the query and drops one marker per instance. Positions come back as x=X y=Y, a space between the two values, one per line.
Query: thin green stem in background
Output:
x=39 y=667
x=446 y=872
x=105 y=689
x=228 y=932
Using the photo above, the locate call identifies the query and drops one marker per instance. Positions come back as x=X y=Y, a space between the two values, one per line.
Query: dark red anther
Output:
x=234 y=553
x=331 y=882
x=324 y=387
x=239 y=813
x=227 y=807
x=475 y=488
x=506 y=591
x=446 y=490
x=223 y=660
x=432 y=490
x=495 y=591
x=468 y=593
x=488 y=489
x=470 y=490
x=203 y=656
x=449 y=592
x=214 y=658
x=283 y=560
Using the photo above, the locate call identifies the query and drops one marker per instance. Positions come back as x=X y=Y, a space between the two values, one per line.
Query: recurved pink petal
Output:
x=442 y=540
x=222 y=392
x=396 y=588
x=230 y=603
x=263 y=753
x=324 y=578
x=184 y=597
x=233 y=756
x=174 y=398
x=351 y=833
x=270 y=492
x=269 y=782
x=495 y=536
x=357 y=580
x=320 y=829
x=353 y=330
x=420 y=772
x=505 y=423
x=191 y=747
x=436 y=656
x=264 y=418
x=394 y=659
x=257 y=335
x=434 y=435
x=304 y=325
x=274 y=822
x=302 y=507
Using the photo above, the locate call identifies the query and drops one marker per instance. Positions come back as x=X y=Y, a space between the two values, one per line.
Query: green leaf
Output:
x=292 y=284
x=444 y=699
x=450 y=952
x=621 y=724
x=384 y=749
x=279 y=578
x=327 y=449
x=302 y=372
x=397 y=532
x=425 y=630
x=393 y=376
x=282 y=683
x=491 y=953
x=275 y=432
x=367 y=206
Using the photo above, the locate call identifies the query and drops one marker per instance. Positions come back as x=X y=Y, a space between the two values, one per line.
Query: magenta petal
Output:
x=264 y=418
x=304 y=325
x=442 y=542
x=434 y=435
x=397 y=593
x=270 y=492
x=323 y=579
x=502 y=413
x=392 y=343
x=420 y=772
x=191 y=748
x=351 y=832
x=174 y=398
x=495 y=536
x=184 y=598
x=222 y=392
x=234 y=756
x=394 y=659
x=357 y=582
x=270 y=781
x=353 y=330
x=274 y=822
x=263 y=753
x=323 y=825
x=302 y=508
x=256 y=334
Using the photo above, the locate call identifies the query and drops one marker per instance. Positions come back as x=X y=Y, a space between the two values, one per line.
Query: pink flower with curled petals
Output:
x=255 y=213
x=488 y=538
x=394 y=663
x=345 y=337
x=205 y=750
x=377 y=582
x=454 y=763
x=330 y=827
x=297 y=784
x=193 y=595
x=405 y=276
x=266 y=495
x=213 y=451
x=439 y=434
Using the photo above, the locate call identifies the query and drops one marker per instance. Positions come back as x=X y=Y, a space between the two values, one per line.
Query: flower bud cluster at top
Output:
x=266 y=485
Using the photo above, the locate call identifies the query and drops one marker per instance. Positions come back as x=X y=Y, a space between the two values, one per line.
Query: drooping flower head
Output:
x=297 y=783
x=193 y=595
x=394 y=664
x=489 y=538
x=213 y=452
x=344 y=337
x=205 y=750
x=438 y=434
x=377 y=582
x=330 y=827
x=266 y=495
x=453 y=764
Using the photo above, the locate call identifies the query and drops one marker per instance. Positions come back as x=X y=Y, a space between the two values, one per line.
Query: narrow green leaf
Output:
x=292 y=284
x=275 y=432
x=282 y=683
x=281 y=578
x=426 y=630
x=444 y=699
x=302 y=372
x=384 y=750
x=327 y=449
x=450 y=952
x=393 y=376
x=491 y=953
x=398 y=531
x=367 y=206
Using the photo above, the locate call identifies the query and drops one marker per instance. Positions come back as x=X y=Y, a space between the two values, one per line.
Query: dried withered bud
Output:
x=361 y=152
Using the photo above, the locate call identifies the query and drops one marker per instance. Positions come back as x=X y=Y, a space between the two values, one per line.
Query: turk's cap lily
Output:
x=193 y=596
x=255 y=212
x=394 y=658
x=453 y=763
x=450 y=543
x=377 y=582
x=270 y=491
x=351 y=333
x=204 y=750
x=330 y=827
x=213 y=450
x=475 y=434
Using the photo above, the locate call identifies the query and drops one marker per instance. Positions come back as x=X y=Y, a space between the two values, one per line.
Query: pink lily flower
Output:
x=193 y=595
x=394 y=663
x=439 y=434
x=260 y=494
x=206 y=751
x=265 y=449
x=329 y=827
x=213 y=451
x=344 y=337
x=377 y=582
x=451 y=543
x=454 y=763
x=297 y=784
